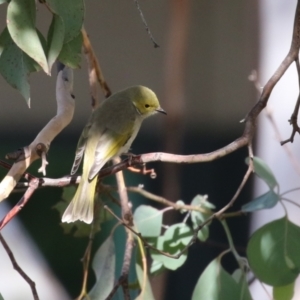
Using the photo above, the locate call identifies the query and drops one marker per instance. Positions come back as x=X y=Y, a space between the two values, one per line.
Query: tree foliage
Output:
x=272 y=251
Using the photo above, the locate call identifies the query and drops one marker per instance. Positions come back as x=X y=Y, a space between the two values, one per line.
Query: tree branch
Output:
x=95 y=73
x=65 y=110
x=18 y=268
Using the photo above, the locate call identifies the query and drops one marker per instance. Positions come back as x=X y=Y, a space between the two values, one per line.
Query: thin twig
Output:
x=164 y=201
x=127 y=219
x=33 y=185
x=269 y=114
x=145 y=23
x=95 y=72
x=18 y=268
x=219 y=214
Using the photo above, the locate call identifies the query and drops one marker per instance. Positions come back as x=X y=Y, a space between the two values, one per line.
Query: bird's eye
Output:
x=147 y=105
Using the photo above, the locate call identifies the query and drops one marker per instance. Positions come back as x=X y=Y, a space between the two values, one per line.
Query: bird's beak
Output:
x=161 y=110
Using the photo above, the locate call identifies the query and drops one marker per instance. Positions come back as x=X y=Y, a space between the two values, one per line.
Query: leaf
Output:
x=273 y=252
x=70 y=54
x=263 y=171
x=173 y=242
x=178 y=234
x=5 y=40
x=201 y=200
x=156 y=267
x=1 y=298
x=55 y=39
x=285 y=292
x=104 y=264
x=198 y=217
x=267 y=200
x=216 y=284
x=180 y=202
x=15 y=65
x=146 y=292
x=148 y=220
x=21 y=26
x=72 y=14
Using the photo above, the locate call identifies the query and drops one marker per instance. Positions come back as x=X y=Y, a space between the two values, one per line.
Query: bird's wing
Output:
x=80 y=148
x=108 y=146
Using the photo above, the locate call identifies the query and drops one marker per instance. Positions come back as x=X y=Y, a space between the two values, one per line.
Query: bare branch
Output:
x=18 y=268
x=33 y=185
x=127 y=219
x=65 y=110
x=145 y=23
x=164 y=201
x=95 y=73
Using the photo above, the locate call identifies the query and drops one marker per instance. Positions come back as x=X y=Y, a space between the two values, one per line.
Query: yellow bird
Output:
x=110 y=132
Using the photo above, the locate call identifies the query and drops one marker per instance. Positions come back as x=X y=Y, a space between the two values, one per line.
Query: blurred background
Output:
x=200 y=74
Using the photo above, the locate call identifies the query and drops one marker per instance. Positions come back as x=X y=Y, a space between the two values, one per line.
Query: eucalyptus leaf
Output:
x=5 y=40
x=70 y=54
x=148 y=220
x=180 y=202
x=104 y=263
x=146 y=290
x=174 y=240
x=273 y=252
x=285 y=292
x=198 y=217
x=72 y=14
x=21 y=26
x=201 y=200
x=156 y=267
x=267 y=200
x=15 y=65
x=168 y=262
x=216 y=284
x=55 y=39
x=263 y=171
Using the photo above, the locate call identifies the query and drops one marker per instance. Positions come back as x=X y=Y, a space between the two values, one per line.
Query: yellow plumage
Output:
x=109 y=133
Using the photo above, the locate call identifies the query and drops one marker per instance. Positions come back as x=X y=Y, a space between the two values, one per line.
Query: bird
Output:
x=109 y=133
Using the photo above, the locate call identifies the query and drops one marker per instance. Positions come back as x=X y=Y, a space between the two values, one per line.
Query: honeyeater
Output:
x=109 y=132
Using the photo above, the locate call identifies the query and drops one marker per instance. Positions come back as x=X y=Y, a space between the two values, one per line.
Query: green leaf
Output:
x=198 y=217
x=15 y=65
x=285 y=292
x=180 y=202
x=156 y=267
x=72 y=14
x=267 y=200
x=1 y=298
x=21 y=26
x=55 y=39
x=70 y=54
x=148 y=220
x=263 y=171
x=216 y=284
x=178 y=234
x=5 y=40
x=173 y=242
x=146 y=291
x=201 y=200
x=237 y=275
x=104 y=264
x=273 y=252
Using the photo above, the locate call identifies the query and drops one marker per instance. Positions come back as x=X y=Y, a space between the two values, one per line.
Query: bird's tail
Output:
x=82 y=205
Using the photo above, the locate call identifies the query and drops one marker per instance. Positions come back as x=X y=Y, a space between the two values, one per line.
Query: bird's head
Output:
x=145 y=101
